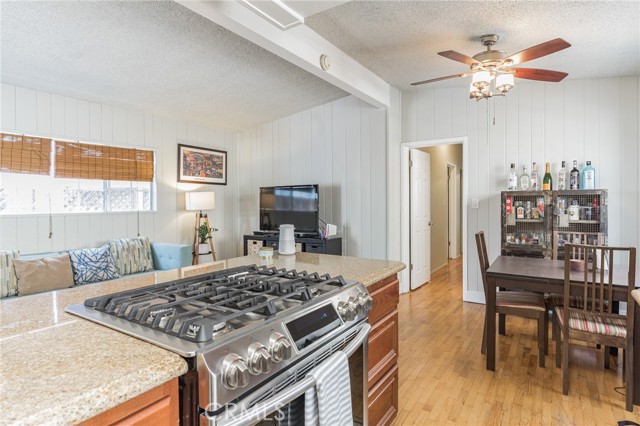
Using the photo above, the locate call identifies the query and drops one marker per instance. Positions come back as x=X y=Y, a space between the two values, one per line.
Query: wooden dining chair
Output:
x=575 y=252
x=519 y=303
x=594 y=321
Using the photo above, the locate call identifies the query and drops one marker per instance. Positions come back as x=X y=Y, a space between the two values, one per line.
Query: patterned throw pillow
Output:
x=92 y=265
x=8 y=281
x=132 y=255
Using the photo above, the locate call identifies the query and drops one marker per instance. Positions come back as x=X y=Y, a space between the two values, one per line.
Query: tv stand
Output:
x=304 y=243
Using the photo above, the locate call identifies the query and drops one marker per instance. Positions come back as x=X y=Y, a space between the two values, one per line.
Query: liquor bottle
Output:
x=574 y=176
x=562 y=177
x=525 y=180
x=513 y=179
x=588 y=177
x=535 y=178
x=547 y=181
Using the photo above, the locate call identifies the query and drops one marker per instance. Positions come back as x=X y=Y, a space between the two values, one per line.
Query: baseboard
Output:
x=473 y=296
x=433 y=271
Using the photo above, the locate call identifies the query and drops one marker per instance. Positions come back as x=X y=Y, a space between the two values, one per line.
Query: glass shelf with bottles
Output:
x=579 y=216
x=580 y=208
x=526 y=223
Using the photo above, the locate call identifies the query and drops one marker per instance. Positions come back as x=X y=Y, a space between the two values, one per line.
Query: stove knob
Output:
x=280 y=347
x=259 y=359
x=235 y=373
x=347 y=310
x=366 y=302
x=358 y=306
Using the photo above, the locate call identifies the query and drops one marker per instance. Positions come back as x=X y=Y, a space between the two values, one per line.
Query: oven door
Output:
x=281 y=401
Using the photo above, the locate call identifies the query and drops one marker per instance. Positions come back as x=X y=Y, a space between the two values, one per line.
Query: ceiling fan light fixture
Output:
x=504 y=82
x=481 y=79
x=479 y=93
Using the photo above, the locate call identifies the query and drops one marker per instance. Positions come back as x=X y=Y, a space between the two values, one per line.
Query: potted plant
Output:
x=204 y=235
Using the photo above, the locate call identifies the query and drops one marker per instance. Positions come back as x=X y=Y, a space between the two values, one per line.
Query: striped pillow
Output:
x=8 y=281
x=132 y=255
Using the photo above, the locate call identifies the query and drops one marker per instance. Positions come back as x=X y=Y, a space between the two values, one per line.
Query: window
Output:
x=96 y=185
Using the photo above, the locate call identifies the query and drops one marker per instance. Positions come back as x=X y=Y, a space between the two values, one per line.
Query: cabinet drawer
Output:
x=383 y=347
x=158 y=406
x=383 y=400
x=314 y=248
x=385 y=298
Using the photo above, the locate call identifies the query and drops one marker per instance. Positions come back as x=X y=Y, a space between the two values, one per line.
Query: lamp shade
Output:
x=481 y=79
x=200 y=200
x=504 y=82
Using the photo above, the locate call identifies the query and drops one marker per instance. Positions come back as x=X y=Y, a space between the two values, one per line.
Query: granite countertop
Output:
x=58 y=369
x=636 y=295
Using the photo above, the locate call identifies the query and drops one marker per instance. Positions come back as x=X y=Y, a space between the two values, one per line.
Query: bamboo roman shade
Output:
x=85 y=161
x=24 y=154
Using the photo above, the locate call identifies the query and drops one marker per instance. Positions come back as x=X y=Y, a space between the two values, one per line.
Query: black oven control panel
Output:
x=310 y=327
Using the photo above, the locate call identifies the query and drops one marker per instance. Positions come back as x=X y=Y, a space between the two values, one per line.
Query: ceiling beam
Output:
x=299 y=45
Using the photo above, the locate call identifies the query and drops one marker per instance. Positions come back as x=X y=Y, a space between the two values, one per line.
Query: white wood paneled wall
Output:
x=593 y=120
x=342 y=147
x=50 y=115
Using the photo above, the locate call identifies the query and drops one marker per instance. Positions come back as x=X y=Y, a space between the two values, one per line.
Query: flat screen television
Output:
x=297 y=205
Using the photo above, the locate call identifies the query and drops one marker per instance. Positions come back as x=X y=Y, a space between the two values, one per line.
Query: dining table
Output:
x=547 y=276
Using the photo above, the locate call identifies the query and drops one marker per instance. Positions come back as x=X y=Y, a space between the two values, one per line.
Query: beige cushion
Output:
x=49 y=273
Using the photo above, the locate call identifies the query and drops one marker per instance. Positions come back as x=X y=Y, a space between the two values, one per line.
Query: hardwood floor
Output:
x=443 y=379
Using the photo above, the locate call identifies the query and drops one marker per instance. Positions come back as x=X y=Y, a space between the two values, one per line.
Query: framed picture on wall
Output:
x=201 y=165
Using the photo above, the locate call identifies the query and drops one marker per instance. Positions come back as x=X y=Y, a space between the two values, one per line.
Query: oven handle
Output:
x=289 y=394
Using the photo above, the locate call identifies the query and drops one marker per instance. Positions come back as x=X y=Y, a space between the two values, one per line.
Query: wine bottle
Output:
x=525 y=180
x=535 y=178
x=588 y=177
x=547 y=181
x=574 y=176
x=562 y=177
x=512 y=185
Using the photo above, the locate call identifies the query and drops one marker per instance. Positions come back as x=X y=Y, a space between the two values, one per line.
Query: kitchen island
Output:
x=58 y=369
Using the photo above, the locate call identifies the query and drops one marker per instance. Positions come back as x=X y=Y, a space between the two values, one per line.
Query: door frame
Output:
x=453 y=204
x=405 y=215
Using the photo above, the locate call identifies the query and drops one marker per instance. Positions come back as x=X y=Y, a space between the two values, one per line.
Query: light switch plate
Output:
x=474 y=203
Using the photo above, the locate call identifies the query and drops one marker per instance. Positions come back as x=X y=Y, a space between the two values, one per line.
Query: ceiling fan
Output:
x=495 y=64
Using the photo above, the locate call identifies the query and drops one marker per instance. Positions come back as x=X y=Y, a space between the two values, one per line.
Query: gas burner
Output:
x=221 y=327
x=206 y=329
x=201 y=308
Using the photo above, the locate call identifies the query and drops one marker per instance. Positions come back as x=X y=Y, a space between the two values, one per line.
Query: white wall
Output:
x=342 y=147
x=593 y=120
x=50 y=115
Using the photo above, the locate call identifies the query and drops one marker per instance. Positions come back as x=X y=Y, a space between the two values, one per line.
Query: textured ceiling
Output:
x=157 y=56
x=399 y=40
x=161 y=57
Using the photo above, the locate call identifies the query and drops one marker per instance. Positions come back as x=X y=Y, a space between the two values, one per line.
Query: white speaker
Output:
x=287 y=244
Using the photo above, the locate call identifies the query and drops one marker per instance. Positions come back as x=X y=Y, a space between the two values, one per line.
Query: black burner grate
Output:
x=203 y=307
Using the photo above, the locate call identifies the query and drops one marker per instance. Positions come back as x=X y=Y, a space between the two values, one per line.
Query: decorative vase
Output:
x=204 y=248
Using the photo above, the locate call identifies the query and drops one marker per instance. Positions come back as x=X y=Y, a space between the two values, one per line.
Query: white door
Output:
x=420 y=166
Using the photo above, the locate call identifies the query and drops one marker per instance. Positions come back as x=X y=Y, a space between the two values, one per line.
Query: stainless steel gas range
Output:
x=250 y=336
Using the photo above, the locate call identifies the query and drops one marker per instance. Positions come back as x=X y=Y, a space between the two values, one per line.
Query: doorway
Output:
x=441 y=225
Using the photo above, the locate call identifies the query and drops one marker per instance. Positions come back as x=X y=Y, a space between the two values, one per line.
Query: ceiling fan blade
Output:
x=539 y=51
x=540 y=75
x=456 y=56
x=433 y=80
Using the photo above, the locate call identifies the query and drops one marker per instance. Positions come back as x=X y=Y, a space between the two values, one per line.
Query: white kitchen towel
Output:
x=329 y=403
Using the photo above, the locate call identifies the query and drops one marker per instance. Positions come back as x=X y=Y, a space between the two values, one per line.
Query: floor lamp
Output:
x=200 y=201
